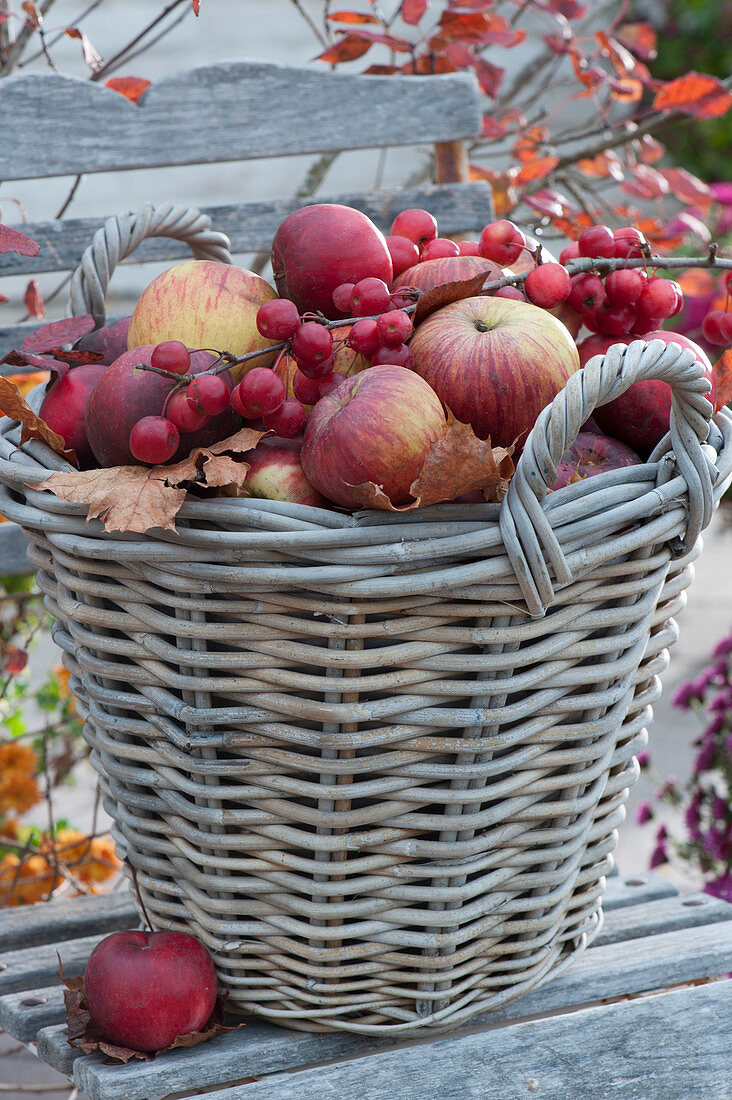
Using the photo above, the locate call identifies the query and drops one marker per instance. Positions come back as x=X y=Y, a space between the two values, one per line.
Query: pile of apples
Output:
x=330 y=363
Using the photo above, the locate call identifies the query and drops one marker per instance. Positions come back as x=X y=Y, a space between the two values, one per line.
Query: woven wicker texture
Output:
x=351 y=753
x=377 y=762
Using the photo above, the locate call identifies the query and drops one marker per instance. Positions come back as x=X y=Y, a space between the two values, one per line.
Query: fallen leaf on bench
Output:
x=13 y=241
x=138 y=498
x=56 y=333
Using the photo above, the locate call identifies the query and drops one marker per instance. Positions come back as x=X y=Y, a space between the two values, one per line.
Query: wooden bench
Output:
x=55 y=126
x=637 y=1015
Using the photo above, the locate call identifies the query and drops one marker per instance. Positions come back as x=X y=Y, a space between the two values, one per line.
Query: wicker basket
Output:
x=377 y=762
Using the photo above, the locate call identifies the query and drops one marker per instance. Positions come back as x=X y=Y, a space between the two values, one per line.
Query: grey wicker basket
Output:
x=377 y=762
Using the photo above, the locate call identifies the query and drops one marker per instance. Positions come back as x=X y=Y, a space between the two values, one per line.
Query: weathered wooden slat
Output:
x=225 y=112
x=665 y=915
x=31 y=969
x=458 y=207
x=621 y=891
x=66 y=919
x=13 y=560
x=666 y=1047
x=615 y=970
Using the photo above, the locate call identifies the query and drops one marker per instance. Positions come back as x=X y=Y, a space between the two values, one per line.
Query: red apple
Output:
x=640 y=416
x=592 y=454
x=317 y=248
x=109 y=341
x=64 y=408
x=204 y=304
x=496 y=363
x=125 y=394
x=144 y=989
x=375 y=427
x=447 y=269
x=275 y=472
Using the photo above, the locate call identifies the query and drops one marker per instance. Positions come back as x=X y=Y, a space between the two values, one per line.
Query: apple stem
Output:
x=133 y=872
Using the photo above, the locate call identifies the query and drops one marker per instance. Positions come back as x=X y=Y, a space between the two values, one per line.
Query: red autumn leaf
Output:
x=53 y=335
x=696 y=94
x=3 y=298
x=639 y=38
x=723 y=379
x=536 y=170
x=27 y=359
x=132 y=87
x=647 y=183
x=622 y=60
x=196 y=7
x=528 y=143
x=485 y=28
x=33 y=300
x=548 y=202
x=349 y=48
x=90 y=55
x=352 y=17
x=688 y=187
x=557 y=45
x=651 y=150
x=470 y=5
x=15 y=407
x=13 y=241
x=446 y=293
x=490 y=77
x=15 y=660
x=413 y=10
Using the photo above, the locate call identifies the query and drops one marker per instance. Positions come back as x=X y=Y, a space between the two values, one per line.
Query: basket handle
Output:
x=526 y=531
x=120 y=236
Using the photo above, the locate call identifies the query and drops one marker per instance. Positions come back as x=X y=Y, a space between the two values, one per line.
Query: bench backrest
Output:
x=54 y=125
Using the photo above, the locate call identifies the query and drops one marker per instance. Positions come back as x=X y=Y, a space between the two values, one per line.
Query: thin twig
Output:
x=148 y=45
x=311 y=23
x=60 y=34
x=138 y=38
x=68 y=200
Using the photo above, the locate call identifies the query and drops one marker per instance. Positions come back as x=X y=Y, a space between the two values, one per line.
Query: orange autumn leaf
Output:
x=722 y=370
x=696 y=282
x=696 y=94
x=536 y=169
x=132 y=87
x=15 y=407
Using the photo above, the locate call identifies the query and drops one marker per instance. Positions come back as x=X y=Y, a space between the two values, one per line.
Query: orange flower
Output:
x=22 y=883
x=18 y=757
x=62 y=677
x=69 y=846
x=18 y=791
x=101 y=863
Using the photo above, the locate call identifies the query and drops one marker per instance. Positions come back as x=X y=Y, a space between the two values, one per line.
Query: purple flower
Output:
x=719 y=808
x=643 y=814
x=723 y=647
x=643 y=758
x=720 y=887
x=684 y=696
x=661 y=833
x=658 y=856
x=705 y=759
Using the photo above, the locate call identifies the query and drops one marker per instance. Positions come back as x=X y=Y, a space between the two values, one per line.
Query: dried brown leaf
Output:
x=459 y=462
x=124 y=498
x=82 y=1033
x=15 y=407
x=446 y=293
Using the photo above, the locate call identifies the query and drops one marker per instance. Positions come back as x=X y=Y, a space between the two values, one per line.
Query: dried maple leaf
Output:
x=124 y=498
x=457 y=462
x=137 y=498
x=14 y=406
x=57 y=333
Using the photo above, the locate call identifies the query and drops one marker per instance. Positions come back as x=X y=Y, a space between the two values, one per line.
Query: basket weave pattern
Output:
x=377 y=762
